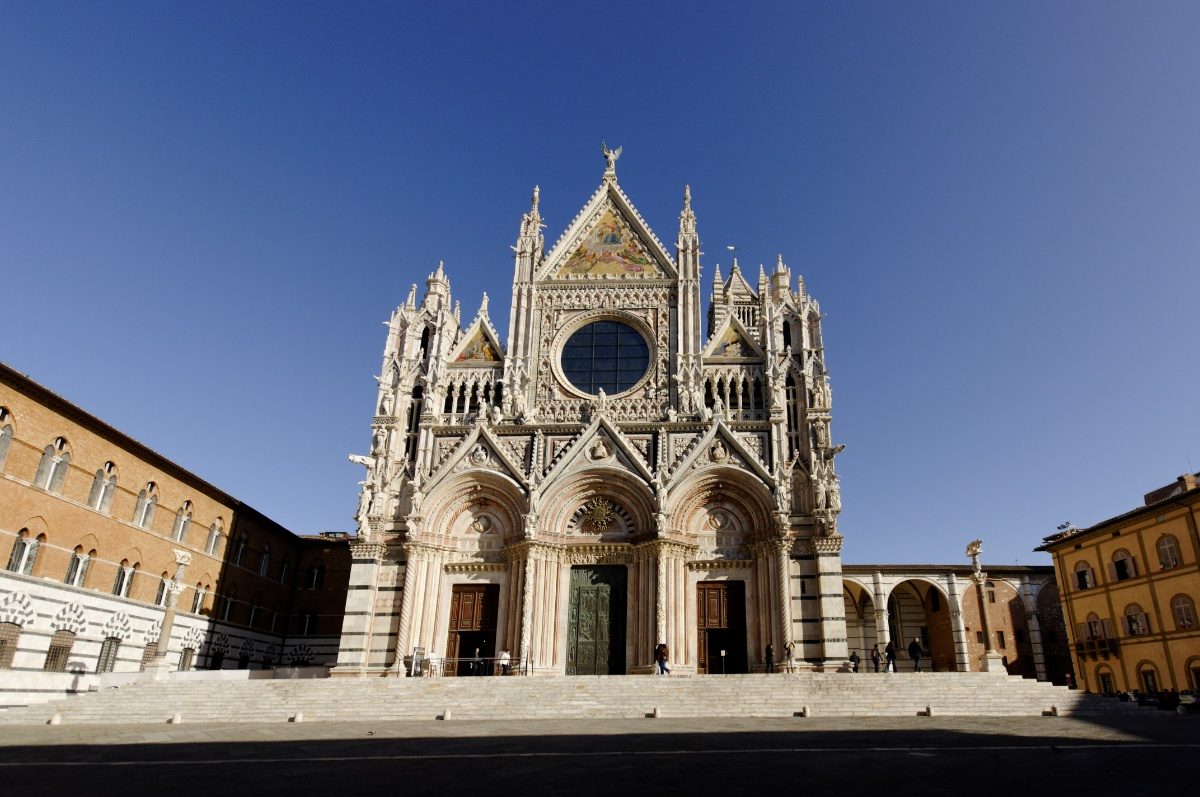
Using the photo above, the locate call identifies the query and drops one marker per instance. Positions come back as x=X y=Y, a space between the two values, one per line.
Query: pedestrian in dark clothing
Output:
x=889 y=653
x=770 y=658
x=915 y=651
x=660 y=656
x=854 y=660
x=876 y=656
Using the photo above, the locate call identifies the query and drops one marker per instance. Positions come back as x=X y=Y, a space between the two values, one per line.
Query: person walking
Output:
x=876 y=656
x=889 y=653
x=505 y=660
x=660 y=656
x=770 y=657
x=915 y=651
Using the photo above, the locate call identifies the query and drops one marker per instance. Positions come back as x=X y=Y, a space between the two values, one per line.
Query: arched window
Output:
x=104 y=484
x=1148 y=677
x=10 y=634
x=254 y=609
x=1136 y=620
x=792 y=406
x=198 y=599
x=227 y=607
x=240 y=551
x=991 y=591
x=1185 y=612
x=264 y=560
x=24 y=552
x=214 y=538
x=1168 y=552
x=52 y=470
x=6 y=434
x=124 y=579
x=314 y=577
x=108 y=654
x=1084 y=579
x=284 y=567
x=183 y=519
x=147 y=502
x=163 y=581
x=1093 y=628
x=1123 y=565
x=60 y=650
x=78 y=567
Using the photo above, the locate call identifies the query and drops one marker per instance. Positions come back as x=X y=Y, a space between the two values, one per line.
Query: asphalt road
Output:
x=914 y=756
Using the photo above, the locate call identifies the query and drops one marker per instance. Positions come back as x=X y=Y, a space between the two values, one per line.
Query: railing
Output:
x=445 y=666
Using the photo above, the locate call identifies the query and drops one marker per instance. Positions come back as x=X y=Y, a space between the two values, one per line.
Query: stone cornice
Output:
x=720 y=564
x=475 y=567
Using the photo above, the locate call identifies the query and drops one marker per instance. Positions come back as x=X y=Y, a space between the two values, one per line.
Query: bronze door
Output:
x=721 y=626
x=596 y=621
x=473 y=609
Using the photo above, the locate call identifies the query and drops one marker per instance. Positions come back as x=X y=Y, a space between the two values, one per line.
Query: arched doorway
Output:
x=918 y=609
x=861 y=632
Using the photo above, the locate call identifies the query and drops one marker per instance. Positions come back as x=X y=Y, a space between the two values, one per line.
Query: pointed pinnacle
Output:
x=536 y=193
x=687 y=196
x=779 y=267
x=483 y=306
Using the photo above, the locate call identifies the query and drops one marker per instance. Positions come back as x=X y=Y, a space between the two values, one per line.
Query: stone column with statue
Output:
x=157 y=670
x=991 y=661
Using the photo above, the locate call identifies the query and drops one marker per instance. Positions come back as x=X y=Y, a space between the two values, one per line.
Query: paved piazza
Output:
x=729 y=756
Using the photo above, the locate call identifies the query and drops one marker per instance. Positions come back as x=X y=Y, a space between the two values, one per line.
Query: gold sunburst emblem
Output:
x=601 y=513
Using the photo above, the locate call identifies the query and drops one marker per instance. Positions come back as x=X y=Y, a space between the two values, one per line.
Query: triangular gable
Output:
x=732 y=341
x=608 y=239
x=737 y=286
x=730 y=451
x=479 y=450
x=479 y=346
x=602 y=444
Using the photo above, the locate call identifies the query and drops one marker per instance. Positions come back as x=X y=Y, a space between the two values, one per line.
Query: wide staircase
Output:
x=383 y=699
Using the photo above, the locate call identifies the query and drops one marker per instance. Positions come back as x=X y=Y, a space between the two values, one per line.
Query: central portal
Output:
x=596 y=621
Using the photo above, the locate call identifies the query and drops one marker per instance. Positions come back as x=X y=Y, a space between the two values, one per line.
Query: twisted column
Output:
x=783 y=595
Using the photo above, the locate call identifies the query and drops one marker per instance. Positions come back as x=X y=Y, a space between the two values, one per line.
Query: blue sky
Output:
x=207 y=210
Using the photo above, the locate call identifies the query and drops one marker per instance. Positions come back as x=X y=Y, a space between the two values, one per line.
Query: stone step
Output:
x=824 y=694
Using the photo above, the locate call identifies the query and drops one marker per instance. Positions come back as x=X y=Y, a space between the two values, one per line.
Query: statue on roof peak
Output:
x=610 y=155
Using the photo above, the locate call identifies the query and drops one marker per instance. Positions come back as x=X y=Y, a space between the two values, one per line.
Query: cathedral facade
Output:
x=629 y=468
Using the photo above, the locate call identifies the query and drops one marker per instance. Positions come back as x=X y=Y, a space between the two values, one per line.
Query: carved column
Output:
x=408 y=601
x=660 y=596
x=1029 y=600
x=962 y=661
x=527 y=611
x=783 y=596
x=354 y=649
x=833 y=605
x=883 y=634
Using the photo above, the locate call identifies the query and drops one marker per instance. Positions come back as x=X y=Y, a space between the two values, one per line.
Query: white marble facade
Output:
x=708 y=461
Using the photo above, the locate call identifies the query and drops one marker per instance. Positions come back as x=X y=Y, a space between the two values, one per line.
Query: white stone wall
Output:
x=42 y=606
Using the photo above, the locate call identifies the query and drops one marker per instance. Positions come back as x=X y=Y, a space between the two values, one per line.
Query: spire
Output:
x=458 y=312
x=412 y=296
x=717 y=282
x=687 y=219
x=779 y=267
x=483 y=306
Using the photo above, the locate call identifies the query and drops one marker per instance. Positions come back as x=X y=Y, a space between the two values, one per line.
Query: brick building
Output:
x=90 y=525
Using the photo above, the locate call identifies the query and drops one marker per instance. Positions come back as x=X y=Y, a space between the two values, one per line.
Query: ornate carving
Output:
x=69 y=618
x=17 y=608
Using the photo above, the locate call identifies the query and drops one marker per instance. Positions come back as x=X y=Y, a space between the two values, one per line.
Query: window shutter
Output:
x=14 y=558
x=1133 y=570
x=97 y=489
x=83 y=568
x=110 y=487
x=43 y=471
x=1112 y=572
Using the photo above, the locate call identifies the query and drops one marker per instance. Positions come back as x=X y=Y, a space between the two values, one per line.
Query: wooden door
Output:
x=720 y=626
x=473 y=610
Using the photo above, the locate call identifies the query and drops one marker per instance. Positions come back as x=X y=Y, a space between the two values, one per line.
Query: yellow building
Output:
x=1129 y=586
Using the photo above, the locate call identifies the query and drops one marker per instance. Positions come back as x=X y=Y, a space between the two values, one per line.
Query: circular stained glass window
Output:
x=605 y=355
